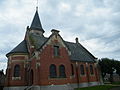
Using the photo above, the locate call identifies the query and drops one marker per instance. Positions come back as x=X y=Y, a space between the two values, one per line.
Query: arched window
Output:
x=82 y=71
x=17 y=71
x=91 y=69
x=62 y=71
x=72 y=70
x=53 y=73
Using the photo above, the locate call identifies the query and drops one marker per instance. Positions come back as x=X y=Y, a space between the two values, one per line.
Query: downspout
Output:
x=77 y=75
x=8 y=74
x=87 y=73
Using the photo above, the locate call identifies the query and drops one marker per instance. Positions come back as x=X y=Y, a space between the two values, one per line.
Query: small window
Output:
x=91 y=69
x=56 y=51
x=52 y=70
x=82 y=71
x=62 y=71
x=72 y=70
x=17 y=71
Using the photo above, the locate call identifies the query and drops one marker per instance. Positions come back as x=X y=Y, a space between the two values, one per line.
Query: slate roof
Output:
x=36 y=23
x=20 y=48
x=39 y=40
x=78 y=52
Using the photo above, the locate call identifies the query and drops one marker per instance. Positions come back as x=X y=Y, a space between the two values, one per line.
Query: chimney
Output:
x=55 y=31
x=76 y=39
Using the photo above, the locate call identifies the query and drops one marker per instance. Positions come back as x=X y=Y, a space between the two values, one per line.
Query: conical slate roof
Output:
x=20 y=48
x=36 y=24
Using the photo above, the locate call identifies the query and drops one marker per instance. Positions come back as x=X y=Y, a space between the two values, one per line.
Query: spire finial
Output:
x=37 y=6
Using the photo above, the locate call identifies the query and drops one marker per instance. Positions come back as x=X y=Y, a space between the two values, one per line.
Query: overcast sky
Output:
x=95 y=22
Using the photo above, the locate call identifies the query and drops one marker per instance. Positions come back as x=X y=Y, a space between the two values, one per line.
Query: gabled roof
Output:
x=40 y=41
x=36 y=23
x=20 y=48
x=78 y=52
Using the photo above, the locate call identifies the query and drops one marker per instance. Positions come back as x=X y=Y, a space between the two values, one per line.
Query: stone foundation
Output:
x=53 y=87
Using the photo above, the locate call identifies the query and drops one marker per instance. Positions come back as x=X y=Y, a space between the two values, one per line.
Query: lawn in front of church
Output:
x=101 y=87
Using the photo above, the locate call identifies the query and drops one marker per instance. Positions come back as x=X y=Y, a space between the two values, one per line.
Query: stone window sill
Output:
x=16 y=78
x=57 y=78
x=82 y=75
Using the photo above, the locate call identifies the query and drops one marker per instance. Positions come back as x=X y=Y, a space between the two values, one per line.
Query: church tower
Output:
x=36 y=24
x=34 y=29
x=19 y=58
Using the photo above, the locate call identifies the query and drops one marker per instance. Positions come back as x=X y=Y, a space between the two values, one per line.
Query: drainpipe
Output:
x=77 y=76
x=87 y=73
x=8 y=77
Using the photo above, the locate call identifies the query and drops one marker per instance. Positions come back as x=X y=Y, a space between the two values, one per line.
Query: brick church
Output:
x=49 y=63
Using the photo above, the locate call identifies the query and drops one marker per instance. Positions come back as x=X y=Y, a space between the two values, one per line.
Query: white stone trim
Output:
x=16 y=78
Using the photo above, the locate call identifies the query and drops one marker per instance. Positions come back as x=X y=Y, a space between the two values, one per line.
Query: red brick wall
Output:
x=41 y=74
x=47 y=58
x=10 y=71
x=87 y=77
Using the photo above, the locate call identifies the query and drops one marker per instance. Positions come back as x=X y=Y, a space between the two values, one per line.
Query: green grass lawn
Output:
x=101 y=87
x=116 y=83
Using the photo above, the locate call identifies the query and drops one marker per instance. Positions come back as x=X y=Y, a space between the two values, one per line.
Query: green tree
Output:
x=117 y=67
x=107 y=67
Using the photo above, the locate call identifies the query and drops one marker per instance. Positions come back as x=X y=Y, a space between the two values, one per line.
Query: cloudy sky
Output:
x=95 y=22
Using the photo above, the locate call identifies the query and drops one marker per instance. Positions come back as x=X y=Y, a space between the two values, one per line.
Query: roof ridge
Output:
x=70 y=42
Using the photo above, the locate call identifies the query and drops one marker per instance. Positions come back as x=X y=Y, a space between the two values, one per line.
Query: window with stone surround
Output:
x=82 y=71
x=91 y=70
x=16 y=71
x=56 y=51
x=62 y=73
x=52 y=70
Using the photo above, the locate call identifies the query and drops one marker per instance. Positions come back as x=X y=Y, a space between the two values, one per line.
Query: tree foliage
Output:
x=109 y=66
x=117 y=67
